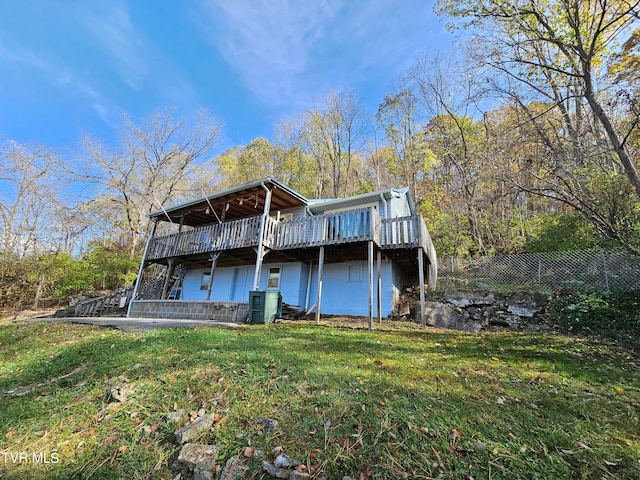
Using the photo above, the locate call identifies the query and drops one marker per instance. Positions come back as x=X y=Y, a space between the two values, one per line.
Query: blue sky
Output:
x=69 y=67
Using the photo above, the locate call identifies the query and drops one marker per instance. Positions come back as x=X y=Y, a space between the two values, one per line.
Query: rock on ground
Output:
x=189 y=432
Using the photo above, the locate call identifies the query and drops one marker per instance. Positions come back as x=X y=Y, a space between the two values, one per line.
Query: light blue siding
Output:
x=234 y=283
x=399 y=207
x=290 y=280
x=343 y=294
x=345 y=286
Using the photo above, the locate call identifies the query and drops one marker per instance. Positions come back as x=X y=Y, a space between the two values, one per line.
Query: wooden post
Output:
x=379 y=262
x=421 y=284
x=320 y=267
x=141 y=269
x=306 y=299
x=370 y=272
x=214 y=259
x=260 y=250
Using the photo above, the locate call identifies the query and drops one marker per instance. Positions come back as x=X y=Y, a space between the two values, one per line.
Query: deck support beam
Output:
x=370 y=277
x=134 y=295
x=320 y=267
x=306 y=298
x=214 y=259
x=379 y=267
x=260 y=252
x=421 y=284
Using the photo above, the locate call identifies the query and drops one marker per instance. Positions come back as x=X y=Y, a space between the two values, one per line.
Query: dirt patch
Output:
x=8 y=314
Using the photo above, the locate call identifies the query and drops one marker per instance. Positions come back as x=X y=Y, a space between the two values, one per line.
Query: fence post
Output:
x=606 y=273
x=539 y=271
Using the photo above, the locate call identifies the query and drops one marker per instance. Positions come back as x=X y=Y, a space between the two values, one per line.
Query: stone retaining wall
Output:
x=180 y=309
x=477 y=311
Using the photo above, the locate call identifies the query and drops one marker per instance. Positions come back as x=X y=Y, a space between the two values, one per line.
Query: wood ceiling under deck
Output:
x=239 y=203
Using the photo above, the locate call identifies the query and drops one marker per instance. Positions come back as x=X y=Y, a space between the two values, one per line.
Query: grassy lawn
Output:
x=396 y=403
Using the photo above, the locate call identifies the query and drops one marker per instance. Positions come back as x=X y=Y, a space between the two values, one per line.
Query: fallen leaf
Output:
x=366 y=472
x=123 y=449
x=315 y=467
x=248 y=452
x=622 y=443
x=495 y=451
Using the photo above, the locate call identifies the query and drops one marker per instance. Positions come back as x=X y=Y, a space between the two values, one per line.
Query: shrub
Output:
x=611 y=314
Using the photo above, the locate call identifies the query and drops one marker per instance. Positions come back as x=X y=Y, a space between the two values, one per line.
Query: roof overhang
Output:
x=243 y=201
x=321 y=205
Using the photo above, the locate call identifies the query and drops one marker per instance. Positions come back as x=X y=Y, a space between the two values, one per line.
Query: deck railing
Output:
x=210 y=238
x=327 y=229
x=115 y=302
x=400 y=232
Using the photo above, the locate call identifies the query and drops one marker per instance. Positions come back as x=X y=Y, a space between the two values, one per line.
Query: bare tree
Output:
x=154 y=165
x=27 y=196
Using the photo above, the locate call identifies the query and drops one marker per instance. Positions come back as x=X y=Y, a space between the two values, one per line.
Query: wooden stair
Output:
x=112 y=304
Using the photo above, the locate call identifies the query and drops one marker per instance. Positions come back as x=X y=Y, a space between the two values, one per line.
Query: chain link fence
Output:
x=543 y=272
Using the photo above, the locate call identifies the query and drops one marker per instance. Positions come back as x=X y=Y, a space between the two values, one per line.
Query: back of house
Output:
x=343 y=256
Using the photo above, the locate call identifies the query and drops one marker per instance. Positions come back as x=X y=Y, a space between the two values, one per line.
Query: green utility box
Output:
x=264 y=306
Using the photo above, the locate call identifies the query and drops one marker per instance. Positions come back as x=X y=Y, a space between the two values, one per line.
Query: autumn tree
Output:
x=333 y=131
x=402 y=121
x=554 y=61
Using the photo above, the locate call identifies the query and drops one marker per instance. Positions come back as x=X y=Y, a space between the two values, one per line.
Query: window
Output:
x=355 y=272
x=206 y=279
x=273 y=281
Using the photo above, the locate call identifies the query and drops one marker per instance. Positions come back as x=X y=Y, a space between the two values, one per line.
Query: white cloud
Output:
x=53 y=68
x=268 y=43
x=110 y=25
x=287 y=51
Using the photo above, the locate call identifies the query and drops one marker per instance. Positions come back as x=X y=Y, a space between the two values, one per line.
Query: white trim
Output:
x=279 y=277
x=375 y=205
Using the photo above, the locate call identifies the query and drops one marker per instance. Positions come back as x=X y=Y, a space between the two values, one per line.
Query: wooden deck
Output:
x=350 y=226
